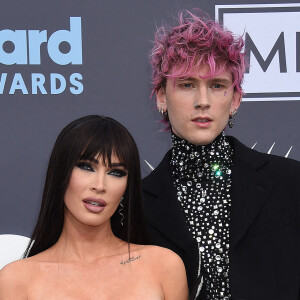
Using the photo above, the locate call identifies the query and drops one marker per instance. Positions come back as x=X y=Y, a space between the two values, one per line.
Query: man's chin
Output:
x=201 y=140
x=198 y=138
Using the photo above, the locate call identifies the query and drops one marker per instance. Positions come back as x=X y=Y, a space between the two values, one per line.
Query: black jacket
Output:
x=264 y=226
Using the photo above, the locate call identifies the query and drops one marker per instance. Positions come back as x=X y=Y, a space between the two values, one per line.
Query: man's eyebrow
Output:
x=220 y=80
x=187 y=78
x=213 y=79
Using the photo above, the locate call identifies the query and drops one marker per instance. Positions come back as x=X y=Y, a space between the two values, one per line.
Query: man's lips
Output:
x=94 y=204
x=202 y=119
x=202 y=122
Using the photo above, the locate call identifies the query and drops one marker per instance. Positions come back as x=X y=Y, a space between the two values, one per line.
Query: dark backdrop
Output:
x=116 y=40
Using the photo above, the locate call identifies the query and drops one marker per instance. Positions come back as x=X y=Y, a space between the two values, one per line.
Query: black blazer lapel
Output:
x=249 y=193
x=164 y=211
x=249 y=190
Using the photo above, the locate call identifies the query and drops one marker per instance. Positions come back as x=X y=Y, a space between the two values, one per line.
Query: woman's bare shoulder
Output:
x=15 y=267
x=155 y=255
x=13 y=280
x=20 y=270
x=163 y=255
x=168 y=268
x=16 y=277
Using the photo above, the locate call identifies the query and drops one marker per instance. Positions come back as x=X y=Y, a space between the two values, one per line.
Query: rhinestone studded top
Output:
x=202 y=177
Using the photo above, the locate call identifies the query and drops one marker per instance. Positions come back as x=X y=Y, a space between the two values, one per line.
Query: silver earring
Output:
x=231 y=118
x=160 y=110
x=120 y=211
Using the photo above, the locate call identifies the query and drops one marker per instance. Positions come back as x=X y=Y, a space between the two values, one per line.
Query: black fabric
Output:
x=264 y=227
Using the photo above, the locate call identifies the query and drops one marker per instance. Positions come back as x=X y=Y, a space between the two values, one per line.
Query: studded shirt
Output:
x=202 y=177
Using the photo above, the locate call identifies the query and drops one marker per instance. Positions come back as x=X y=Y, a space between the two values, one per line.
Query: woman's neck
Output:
x=85 y=243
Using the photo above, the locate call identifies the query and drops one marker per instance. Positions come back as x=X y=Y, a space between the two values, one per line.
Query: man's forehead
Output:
x=202 y=72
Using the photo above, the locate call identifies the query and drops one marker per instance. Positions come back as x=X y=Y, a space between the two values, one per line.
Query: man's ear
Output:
x=236 y=101
x=161 y=99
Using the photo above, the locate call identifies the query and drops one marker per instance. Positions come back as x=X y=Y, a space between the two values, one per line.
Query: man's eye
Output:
x=217 y=86
x=187 y=85
x=85 y=166
x=117 y=173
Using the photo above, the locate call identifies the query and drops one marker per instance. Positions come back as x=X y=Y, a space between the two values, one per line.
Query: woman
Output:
x=86 y=241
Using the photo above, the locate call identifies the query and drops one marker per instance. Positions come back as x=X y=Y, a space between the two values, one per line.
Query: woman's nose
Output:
x=99 y=183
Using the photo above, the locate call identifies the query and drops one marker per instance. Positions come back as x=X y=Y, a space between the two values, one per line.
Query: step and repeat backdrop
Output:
x=60 y=60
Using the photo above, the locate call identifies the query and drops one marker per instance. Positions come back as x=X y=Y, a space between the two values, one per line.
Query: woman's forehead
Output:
x=113 y=158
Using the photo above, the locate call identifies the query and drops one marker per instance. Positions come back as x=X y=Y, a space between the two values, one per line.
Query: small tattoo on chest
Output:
x=129 y=260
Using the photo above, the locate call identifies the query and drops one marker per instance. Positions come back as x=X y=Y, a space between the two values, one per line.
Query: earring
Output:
x=231 y=118
x=120 y=211
x=196 y=105
x=161 y=111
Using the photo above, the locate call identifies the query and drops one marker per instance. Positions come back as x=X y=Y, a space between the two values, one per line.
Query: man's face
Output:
x=199 y=108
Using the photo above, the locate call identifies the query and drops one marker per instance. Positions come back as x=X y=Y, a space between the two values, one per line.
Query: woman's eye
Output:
x=117 y=173
x=85 y=166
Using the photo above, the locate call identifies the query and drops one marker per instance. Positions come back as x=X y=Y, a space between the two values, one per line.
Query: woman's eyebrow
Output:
x=93 y=160
x=119 y=164
x=96 y=161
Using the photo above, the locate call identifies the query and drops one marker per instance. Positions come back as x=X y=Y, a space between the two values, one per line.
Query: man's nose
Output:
x=201 y=100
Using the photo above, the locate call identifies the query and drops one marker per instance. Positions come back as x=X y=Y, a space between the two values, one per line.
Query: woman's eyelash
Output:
x=85 y=166
x=117 y=172
x=88 y=167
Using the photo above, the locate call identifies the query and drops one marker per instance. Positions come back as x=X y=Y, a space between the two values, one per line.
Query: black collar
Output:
x=161 y=175
x=250 y=190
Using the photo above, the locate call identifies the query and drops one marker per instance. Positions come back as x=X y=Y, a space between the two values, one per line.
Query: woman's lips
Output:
x=94 y=204
x=202 y=122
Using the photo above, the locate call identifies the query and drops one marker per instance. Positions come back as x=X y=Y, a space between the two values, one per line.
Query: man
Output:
x=230 y=212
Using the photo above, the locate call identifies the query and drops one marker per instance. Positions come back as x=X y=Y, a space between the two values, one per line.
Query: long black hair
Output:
x=82 y=139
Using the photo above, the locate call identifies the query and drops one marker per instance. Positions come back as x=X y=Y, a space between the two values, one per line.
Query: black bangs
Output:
x=101 y=138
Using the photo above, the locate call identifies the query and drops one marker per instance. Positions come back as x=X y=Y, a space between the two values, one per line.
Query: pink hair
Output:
x=196 y=41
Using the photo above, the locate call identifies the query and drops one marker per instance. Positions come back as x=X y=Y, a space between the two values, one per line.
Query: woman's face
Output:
x=95 y=191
